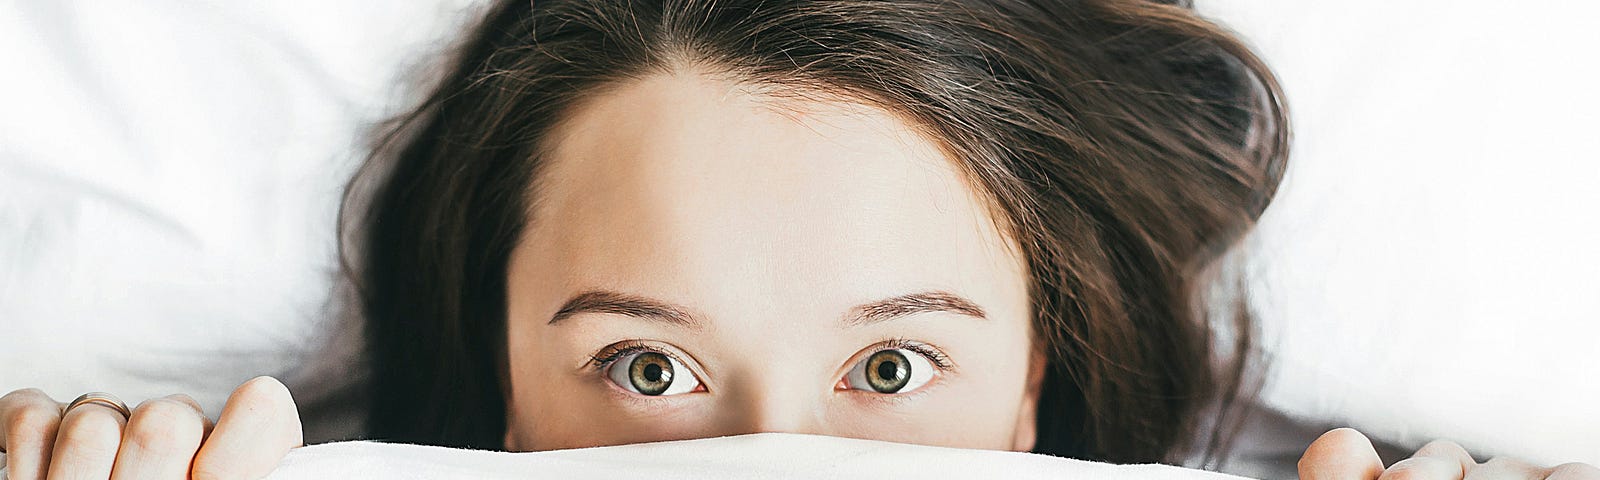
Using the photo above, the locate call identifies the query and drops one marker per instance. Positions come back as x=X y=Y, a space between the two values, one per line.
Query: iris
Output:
x=650 y=373
x=888 y=371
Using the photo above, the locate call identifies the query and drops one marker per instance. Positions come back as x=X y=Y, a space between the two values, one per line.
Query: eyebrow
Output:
x=912 y=304
x=605 y=301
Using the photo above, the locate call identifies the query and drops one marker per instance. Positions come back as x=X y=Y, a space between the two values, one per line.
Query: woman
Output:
x=972 y=224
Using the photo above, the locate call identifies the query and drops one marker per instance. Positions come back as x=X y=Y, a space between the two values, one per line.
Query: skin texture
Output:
x=768 y=220
x=763 y=225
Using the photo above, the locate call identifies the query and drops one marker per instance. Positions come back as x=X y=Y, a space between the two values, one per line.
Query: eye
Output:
x=890 y=371
x=651 y=373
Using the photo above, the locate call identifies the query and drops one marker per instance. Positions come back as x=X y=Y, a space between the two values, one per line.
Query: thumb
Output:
x=1341 y=454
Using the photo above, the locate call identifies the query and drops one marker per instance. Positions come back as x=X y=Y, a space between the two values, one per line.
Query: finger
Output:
x=259 y=425
x=1420 y=468
x=28 y=424
x=160 y=440
x=1438 y=459
x=1448 y=450
x=1502 y=468
x=1574 y=471
x=1341 y=454
x=87 y=442
x=187 y=400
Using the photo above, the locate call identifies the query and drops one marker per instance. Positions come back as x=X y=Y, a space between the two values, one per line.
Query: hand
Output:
x=165 y=438
x=1346 y=454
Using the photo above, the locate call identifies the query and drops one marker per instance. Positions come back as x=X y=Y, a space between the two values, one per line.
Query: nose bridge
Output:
x=763 y=402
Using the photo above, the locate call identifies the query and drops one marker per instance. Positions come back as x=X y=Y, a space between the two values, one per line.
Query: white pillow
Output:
x=169 y=174
x=1430 y=267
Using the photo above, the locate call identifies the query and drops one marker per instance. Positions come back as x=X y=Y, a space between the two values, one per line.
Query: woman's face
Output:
x=704 y=261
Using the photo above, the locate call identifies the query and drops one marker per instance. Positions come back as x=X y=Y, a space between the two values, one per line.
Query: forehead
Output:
x=696 y=188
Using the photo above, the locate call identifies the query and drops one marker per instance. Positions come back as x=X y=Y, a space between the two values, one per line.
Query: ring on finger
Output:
x=100 y=398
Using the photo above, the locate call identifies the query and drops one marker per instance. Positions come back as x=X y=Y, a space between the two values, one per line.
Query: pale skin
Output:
x=703 y=260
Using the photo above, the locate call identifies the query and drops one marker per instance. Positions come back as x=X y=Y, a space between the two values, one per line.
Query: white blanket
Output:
x=767 y=455
x=758 y=456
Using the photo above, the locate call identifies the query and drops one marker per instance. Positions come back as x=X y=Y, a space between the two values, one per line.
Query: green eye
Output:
x=651 y=373
x=888 y=371
x=891 y=371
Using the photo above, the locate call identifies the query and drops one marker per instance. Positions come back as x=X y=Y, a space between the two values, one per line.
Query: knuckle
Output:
x=164 y=426
x=1440 y=445
x=91 y=431
x=169 y=411
x=153 y=437
x=185 y=400
x=32 y=419
x=23 y=395
x=1505 y=463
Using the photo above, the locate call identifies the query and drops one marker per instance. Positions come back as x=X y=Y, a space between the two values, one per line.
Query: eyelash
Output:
x=611 y=353
x=938 y=358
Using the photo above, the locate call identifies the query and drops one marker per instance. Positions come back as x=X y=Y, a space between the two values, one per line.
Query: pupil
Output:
x=652 y=372
x=888 y=370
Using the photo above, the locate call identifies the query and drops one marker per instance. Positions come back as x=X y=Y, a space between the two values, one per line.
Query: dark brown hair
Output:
x=1126 y=144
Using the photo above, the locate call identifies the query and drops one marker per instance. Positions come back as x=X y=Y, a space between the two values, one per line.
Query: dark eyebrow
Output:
x=896 y=307
x=603 y=301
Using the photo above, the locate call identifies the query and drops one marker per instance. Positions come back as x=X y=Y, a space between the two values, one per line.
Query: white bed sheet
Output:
x=760 y=456
x=757 y=456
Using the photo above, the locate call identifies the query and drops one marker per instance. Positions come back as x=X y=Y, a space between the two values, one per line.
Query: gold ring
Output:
x=100 y=398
